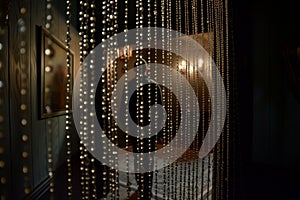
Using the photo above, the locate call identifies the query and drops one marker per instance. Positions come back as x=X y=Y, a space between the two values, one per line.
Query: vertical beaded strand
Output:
x=167 y=99
x=156 y=92
x=163 y=91
x=216 y=169
x=197 y=79
x=228 y=88
x=114 y=4
x=210 y=41
x=149 y=94
x=105 y=35
x=87 y=156
x=221 y=50
x=86 y=128
x=223 y=107
x=85 y=161
x=141 y=94
x=81 y=96
x=202 y=135
x=137 y=79
x=194 y=180
x=178 y=21
x=92 y=24
x=68 y=99
x=48 y=23
x=24 y=91
x=173 y=99
x=203 y=97
x=178 y=121
x=186 y=168
x=126 y=96
x=109 y=74
x=108 y=81
x=234 y=136
x=112 y=80
x=115 y=83
x=188 y=124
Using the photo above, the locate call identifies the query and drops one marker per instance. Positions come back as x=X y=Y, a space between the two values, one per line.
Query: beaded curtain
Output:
x=207 y=22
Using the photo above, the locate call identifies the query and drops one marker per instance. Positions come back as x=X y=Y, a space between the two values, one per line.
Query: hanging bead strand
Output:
x=25 y=94
x=68 y=99
x=210 y=42
x=178 y=166
x=84 y=48
x=92 y=28
x=81 y=96
x=114 y=100
x=105 y=35
x=203 y=97
x=48 y=24
x=126 y=97
x=150 y=148
x=156 y=90
x=228 y=89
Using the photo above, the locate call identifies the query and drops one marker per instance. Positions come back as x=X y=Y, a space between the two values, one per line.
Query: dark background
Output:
x=269 y=110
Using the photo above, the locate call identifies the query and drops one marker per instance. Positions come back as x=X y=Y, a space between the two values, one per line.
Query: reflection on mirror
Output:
x=53 y=75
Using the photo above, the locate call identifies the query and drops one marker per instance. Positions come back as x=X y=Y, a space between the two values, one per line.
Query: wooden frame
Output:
x=52 y=74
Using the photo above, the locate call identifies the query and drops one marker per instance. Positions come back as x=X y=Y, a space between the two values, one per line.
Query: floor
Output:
x=257 y=183
x=162 y=186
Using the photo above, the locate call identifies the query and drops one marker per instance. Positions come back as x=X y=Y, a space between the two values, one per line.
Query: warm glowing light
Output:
x=48 y=68
x=201 y=62
x=182 y=66
x=48 y=52
x=124 y=52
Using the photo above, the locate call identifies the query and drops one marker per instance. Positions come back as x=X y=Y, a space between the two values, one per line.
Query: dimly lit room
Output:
x=149 y=99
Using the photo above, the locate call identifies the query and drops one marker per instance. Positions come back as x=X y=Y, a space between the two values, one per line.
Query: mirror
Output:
x=52 y=76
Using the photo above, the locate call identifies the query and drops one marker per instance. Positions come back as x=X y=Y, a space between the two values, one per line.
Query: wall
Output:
x=269 y=121
x=5 y=169
x=268 y=114
x=36 y=129
x=276 y=122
